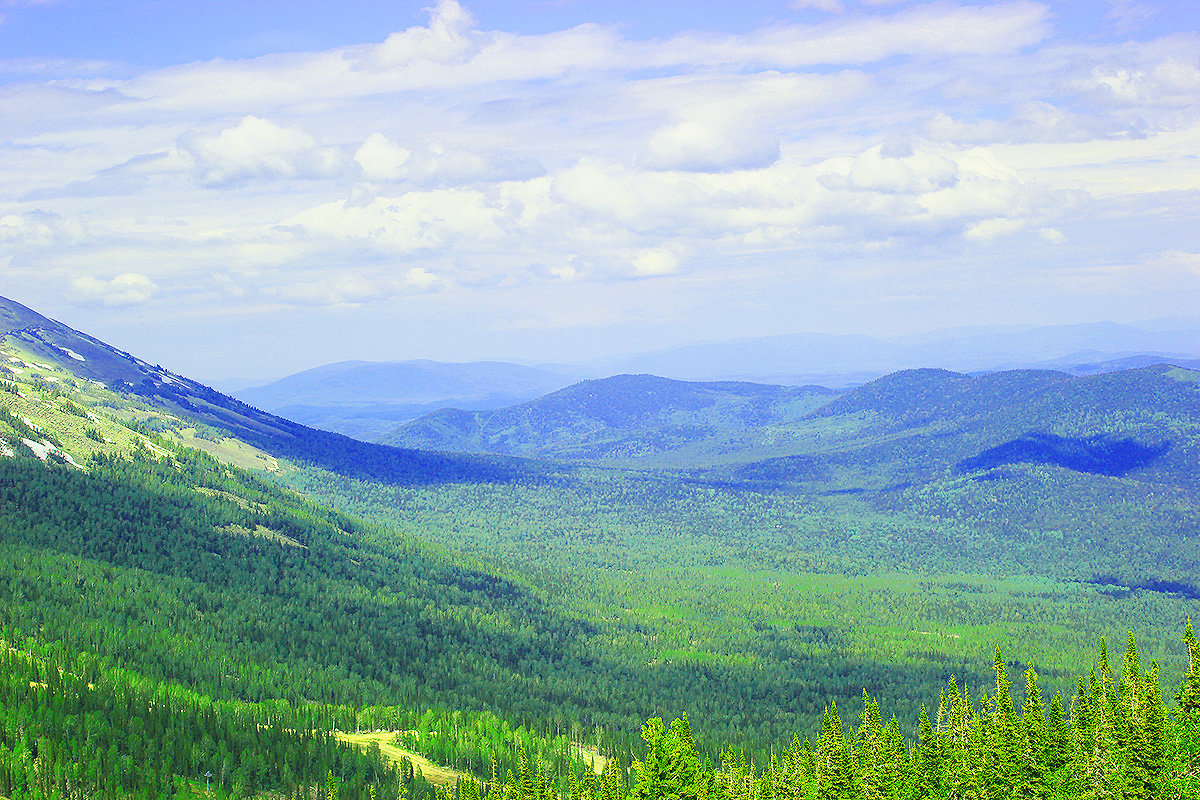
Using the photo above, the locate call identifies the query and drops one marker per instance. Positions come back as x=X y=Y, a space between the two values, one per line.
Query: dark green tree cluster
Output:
x=72 y=727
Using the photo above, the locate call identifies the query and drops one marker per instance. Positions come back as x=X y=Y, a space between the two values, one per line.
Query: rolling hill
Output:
x=910 y=426
x=622 y=418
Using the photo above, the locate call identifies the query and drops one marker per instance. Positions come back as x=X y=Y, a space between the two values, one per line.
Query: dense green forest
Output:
x=75 y=727
x=771 y=604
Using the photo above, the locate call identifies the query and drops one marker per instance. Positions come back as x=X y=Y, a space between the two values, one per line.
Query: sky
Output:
x=245 y=190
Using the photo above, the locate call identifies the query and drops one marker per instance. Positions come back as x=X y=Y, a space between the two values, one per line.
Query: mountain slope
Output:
x=46 y=341
x=623 y=417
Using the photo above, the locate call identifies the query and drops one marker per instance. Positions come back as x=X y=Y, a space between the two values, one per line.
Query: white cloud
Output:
x=448 y=39
x=910 y=174
x=1129 y=15
x=935 y=29
x=258 y=148
x=38 y=228
x=420 y=278
x=349 y=287
x=1169 y=82
x=731 y=121
x=991 y=228
x=418 y=220
x=126 y=289
x=380 y=159
x=655 y=261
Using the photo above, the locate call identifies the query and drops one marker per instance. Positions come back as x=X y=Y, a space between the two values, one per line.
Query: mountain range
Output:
x=910 y=425
x=841 y=360
x=368 y=400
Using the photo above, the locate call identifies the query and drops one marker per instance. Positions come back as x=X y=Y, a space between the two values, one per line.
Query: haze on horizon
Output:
x=229 y=190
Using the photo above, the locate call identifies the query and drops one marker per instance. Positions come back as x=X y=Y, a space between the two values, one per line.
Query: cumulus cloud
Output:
x=447 y=39
x=38 y=228
x=418 y=220
x=991 y=228
x=732 y=121
x=874 y=171
x=126 y=289
x=655 y=261
x=258 y=148
x=1169 y=82
x=380 y=159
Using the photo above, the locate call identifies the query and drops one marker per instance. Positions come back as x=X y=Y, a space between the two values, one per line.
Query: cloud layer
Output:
x=917 y=154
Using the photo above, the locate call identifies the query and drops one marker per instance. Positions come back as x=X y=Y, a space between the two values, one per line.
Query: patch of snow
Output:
x=14 y=360
x=45 y=366
x=44 y=450
x=40 y=449
x=72 y=354
x=6 y=451
x=17 y=371
x=52 y=379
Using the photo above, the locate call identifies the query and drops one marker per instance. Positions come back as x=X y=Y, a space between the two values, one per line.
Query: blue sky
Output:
x=255 y=188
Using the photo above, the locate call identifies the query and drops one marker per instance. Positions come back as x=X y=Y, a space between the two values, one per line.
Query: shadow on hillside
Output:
x=1098 y=455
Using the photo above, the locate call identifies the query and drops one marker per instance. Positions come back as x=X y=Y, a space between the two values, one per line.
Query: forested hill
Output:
x=50 y=342
x=922 y=425
x=910 y=426
x=623 y=417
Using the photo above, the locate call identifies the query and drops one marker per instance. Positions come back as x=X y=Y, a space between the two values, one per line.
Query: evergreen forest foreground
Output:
x=908 y=589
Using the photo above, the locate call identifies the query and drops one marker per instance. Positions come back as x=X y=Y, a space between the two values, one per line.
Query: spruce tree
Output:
x=1035 y=739
x=926 y=760
x=1005 y=739
x=835 y=770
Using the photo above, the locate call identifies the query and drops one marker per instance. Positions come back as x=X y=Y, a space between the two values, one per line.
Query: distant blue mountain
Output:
x=365 y=399
x=849 y=360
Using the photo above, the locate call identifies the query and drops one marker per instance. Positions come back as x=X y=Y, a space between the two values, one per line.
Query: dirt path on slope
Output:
x=442 y=776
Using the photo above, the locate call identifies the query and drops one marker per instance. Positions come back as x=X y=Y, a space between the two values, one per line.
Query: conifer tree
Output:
x=1005 y=739
x=835 y=772
x=927 y=760
x=1059 y=744
x=1181 y=767
x=1035 y=739
x=1100 y=756
x=869 y=749
x=1138 y=741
